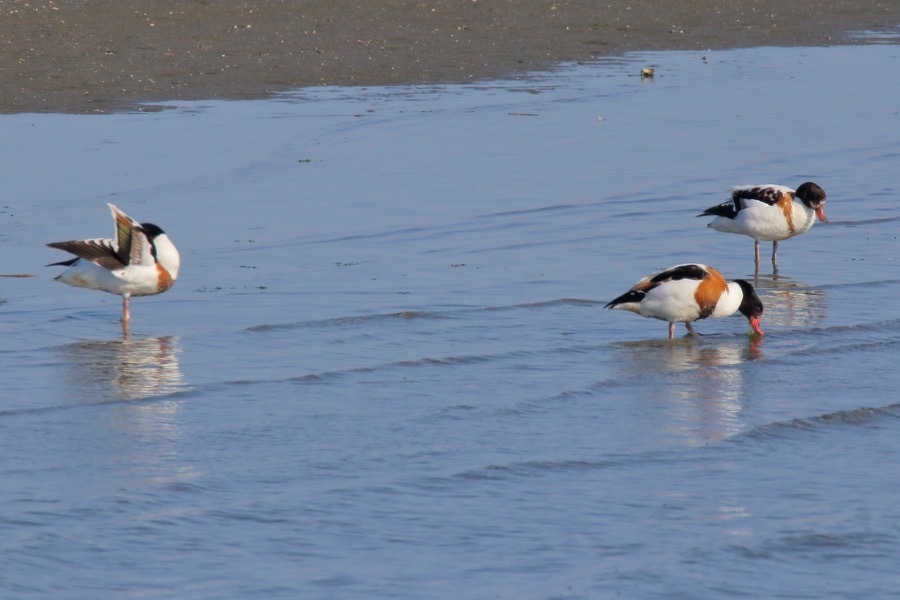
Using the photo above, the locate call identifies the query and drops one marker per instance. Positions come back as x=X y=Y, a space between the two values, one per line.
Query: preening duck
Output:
x=140 y=261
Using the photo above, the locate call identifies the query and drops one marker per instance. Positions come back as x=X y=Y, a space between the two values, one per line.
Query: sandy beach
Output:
x=106 y=55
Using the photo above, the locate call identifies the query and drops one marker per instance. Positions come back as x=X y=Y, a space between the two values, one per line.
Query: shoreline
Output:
x=101 y=56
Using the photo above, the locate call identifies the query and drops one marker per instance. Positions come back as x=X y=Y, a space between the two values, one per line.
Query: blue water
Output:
x=385 y=370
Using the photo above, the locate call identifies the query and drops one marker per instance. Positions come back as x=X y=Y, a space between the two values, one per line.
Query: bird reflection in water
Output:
x=143 y=426
x=700 y=381
x=789 y=303
x=128 y=368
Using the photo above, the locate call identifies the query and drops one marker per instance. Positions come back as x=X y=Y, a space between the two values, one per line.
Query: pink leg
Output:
x=671 y=331
x=691 y=329
x=756 y=255
x=126 y=308
x=775 y=253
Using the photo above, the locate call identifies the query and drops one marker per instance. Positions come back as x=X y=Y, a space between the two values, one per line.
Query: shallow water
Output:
x=385 y=370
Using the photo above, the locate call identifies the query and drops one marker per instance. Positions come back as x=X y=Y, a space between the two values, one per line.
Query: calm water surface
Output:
x=386 y=372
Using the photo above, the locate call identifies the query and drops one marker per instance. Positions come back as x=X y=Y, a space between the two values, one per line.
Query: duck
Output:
x=689 y=292
x=769 y=213
x=140 y=261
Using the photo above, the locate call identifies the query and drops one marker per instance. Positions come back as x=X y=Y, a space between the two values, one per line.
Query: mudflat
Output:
x=107 y=55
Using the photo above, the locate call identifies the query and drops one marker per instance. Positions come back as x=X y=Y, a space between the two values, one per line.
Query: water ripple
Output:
x=864 y=416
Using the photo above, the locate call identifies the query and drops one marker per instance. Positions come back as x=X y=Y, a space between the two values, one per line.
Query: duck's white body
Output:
x=689 y=292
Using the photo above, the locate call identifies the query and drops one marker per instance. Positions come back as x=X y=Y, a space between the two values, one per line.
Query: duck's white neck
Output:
x=167 y=254
x=730 y=301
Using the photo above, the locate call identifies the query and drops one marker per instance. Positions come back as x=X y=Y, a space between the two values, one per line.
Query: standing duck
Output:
x=769 y=213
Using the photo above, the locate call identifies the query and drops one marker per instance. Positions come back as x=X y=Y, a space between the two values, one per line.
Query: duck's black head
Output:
x=751 y=306
x=811 y=194
x=151 y=230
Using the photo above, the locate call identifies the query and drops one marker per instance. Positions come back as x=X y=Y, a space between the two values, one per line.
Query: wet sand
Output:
x=107 y=55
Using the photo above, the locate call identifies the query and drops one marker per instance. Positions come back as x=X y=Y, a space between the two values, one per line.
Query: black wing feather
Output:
x=627 y=297
x=65 y=263
x=768 y=195
x=100 y=252
x=681 y=272
x=729 y=210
